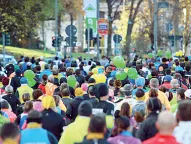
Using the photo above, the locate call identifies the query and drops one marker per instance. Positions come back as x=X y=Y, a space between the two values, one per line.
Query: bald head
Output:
x=154 y=83
x=166 y=122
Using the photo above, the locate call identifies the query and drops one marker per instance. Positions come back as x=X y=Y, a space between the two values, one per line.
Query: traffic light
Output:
x=172 y=44
x=7 y=40
x=53 y=41
x=59 y=41
x=90 y=34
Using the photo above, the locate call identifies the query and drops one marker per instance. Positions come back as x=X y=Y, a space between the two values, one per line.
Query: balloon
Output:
x=99 y=78
x=29 y=74
x=168 y=54
x=71 y=81
x=126 y=70
x=132 y=73
x=100 y=70
x=150 y=55
x=95 y=70
x=113 y=73
x=160 y=53
x=119 y=62
x=180 y=53
x=31 y=82
x=177 y=54
x=121 y=75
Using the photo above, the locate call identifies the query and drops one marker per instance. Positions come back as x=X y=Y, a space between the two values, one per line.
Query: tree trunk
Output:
x=128 y=40
x=109 y=42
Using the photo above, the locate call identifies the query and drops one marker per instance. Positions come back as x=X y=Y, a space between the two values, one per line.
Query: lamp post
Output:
x=155 y=25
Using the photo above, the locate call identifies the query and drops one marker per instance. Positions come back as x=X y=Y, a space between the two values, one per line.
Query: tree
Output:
x=113 y=7
x=134 y=9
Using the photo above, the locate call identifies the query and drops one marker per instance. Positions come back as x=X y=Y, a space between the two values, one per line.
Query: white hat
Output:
x=188 y=93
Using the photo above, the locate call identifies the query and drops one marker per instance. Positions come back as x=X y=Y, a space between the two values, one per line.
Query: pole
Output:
x=88 y=43
x=155 y=25
x=98 y=15
x=3 y=49
x=70 y=41
x=56 y=26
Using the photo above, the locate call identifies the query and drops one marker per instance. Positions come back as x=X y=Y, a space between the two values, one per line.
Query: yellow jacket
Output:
x=76 y=131
x=162 y=97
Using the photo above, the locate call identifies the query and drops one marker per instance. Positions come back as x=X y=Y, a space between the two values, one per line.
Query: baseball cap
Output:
x=101 y=90
x=167 y=78
x=188 y=93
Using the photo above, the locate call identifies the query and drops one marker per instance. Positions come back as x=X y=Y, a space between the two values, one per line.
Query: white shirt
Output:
x=182 y=132
x=87 y=68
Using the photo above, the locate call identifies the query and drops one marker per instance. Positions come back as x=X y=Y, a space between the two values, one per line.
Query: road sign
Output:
x=117 y=38
x=71 y=30
x=175 y=37
x=103 y=26
x=92 y=24
x=73 y=42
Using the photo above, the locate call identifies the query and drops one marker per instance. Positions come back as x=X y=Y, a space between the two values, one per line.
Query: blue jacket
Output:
x=37 y=135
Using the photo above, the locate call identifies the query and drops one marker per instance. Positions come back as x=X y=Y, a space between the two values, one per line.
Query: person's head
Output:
x=97 y=124
x=4 y=104
x=139 y=113
x=34 y=117
x=9 y=89
x=117 y=84
x=187 y=94
x=101 y=91
x=28 y=106
x=140 y=95
x=140 y=82
x=5 y=81
x=51 y=78
x=26 y=97
x=111 y=83
x=23 y=80
x=18 y=72
x=166 y=123
x=65 y=92
x=44 y=79
x=38 y=68
x=154 y=83
x=154 y=104
x=85 y=109
x=167 y=78
x=91 y=91
x=125 y=110
x=89 y=63
x=78 y=72
x=56 y=99
x=36 y=94
x=153 y=92
x=174 y=83
x=26 y=59
x=46 y=66
x=127 y=90
x=122 y=123
x=187 y=68
x=180 y=94
x=63 y=80
x=48 y=102
x=177 y=63
x=184 y=110
x=91 y=81
x=154 y=73
x=9 y=132
x=164 y=60
x=79 y=92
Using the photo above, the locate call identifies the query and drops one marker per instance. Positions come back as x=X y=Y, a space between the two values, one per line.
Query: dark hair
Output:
x=163 y=89
x=187 y=68
x=153 y=92
x=181 y=92
x=154 y=73
x=184 y=110
x=111 y=82
x=138 y=117
x=34 y=116
x=45 y=79
x=97 y=124
x=85 y=109
x=163 y=60
x=91 y=90
x=38 y=68
x=27 y=59
x=36 y=94
x=122 y=124
x=186 y=58
x=154 y=104
x=125 y=110
x=4 y=104
x=69 y=72
x=87 y=78
x=89 y=63
x=168 y=72
x=28 y=106
x=9 y=131
x=177 y=63
x=26 y=97
x=65 y=92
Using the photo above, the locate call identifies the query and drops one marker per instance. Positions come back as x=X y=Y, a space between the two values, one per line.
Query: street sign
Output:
x=117 y=38
x=175 y=37
x=103 y=26
x=73 y=41
x=71 y=30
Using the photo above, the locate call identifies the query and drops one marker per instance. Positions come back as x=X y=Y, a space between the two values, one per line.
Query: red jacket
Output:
x=167 y=85
x=161 y=139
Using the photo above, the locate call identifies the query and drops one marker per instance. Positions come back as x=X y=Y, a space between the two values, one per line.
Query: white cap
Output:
x=41 y=58
x=188 y=93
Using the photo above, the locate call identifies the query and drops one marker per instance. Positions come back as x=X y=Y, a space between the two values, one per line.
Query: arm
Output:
x=52 y=138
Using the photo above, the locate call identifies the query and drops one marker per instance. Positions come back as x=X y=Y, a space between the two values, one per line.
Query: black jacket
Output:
x=103 y=106
x=15 y=83
x=94 y=141
x=72 y=108
x=13 y=101
x=66 y=101
x=80 y=80
x=148 y=128
x=53 y=122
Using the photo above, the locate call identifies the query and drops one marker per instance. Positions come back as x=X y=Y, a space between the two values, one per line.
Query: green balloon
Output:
x=119 y=62
x=150 y=55
x=71 y=81
x=168 y=54
x=121 y=75
x=132 y=73
x=31 y=82
x=29 y=74
x=160 y=53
